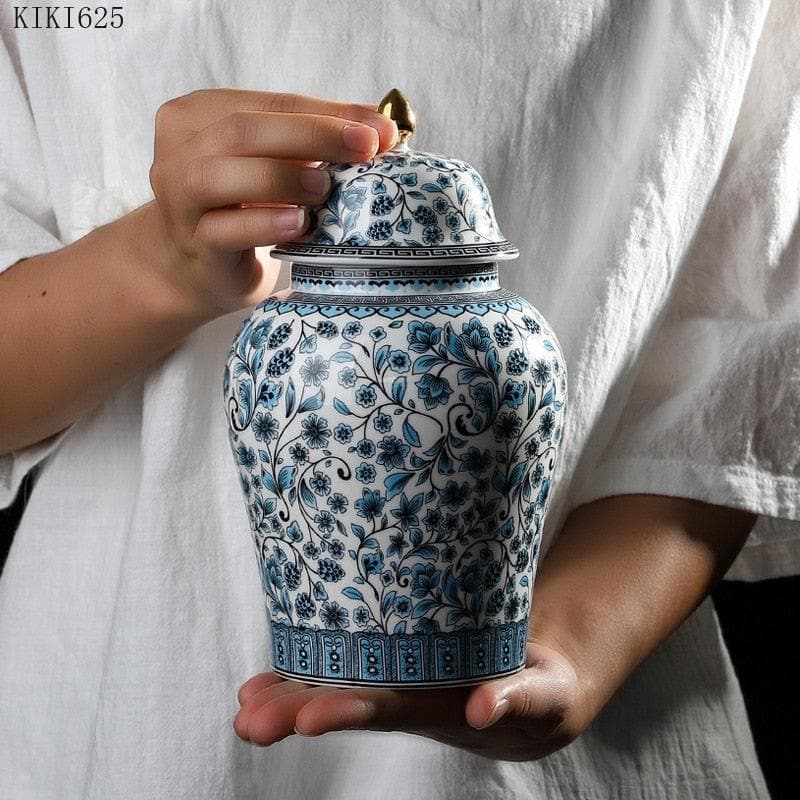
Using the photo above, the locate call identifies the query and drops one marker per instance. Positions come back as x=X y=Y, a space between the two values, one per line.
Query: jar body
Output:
x=396 y=444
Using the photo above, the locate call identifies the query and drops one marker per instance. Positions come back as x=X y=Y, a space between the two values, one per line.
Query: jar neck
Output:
x=432 y=279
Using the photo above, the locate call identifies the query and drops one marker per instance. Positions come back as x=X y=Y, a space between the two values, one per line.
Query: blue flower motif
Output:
x=424 y=579
x=476 y=335
x=347 y=377
x=327 y=329
x=387 y=577
x=393 y=452
x=361 y=615
x=449 y=553
x=432 y=235
x=366 y=396
x=423 y=336
x=399 y=361
x=496 y=601
x=514 y=393
x=380 y=230
x=310 y=550
x=330 y=571
x=402 y=606
x=279 y=335
x=382 y=423
x=536 y=475
x=470 y=579
x=377 y=334
x=298 y=453
x=540 y=372
x=457 y=237
x=492 y=574
x=265 y=427
x=280 y=363
x=305 y=606
x=454 y=495
x=315 y=431
x=314 y=371
x=507 y=427
x=547 y=423
x=512 y=608
x=325 y=521
x=381 y=205
x=338 y=503
x=517 y=362
x=424 y=215
x=270 y=393
x=433 y=519
x=334 y=617
x=372 y=562
x=426 y=626
x=247 y=456
x=408 y=179
x=397 y=544
x=320 y=483
x=452 y=220
x=370 y=505
x=352 y=329
x=343 y=433
x=406 y=515
x=440 y=205
x=365 y=448
x=444 y=181
x=434 y=390
x=365 y=473
x=476 y=461
x=336 y=548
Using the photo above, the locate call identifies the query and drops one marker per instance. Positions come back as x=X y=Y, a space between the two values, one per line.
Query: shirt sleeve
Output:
x=27 y=228
x=714 y=411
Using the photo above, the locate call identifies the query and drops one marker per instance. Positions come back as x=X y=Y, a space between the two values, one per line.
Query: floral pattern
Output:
x=396 y=472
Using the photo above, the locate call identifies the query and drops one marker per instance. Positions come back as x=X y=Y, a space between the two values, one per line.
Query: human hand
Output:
x=232 y=170
x=543 y=711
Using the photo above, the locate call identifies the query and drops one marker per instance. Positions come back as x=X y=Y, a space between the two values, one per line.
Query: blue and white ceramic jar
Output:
x=396 y=423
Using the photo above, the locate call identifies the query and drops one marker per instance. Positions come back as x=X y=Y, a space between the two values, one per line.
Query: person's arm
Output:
x=230 y=173
x=624 y=572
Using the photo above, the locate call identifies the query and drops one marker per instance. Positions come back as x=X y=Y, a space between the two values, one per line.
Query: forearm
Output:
x=80 y=322
x=622 y=575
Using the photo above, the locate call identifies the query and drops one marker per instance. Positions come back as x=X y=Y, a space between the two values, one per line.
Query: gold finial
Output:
x=396 y=106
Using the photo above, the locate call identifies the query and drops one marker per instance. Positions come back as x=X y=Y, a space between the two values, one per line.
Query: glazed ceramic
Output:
x=395 y=423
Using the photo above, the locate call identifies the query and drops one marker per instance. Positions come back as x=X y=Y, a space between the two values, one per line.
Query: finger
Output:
x=384 y=710
x=306 y=137
x=261 y=698
x=274 y=719
x=232 y=229
x=256 y=684
x=212 y=181
x=183 y=116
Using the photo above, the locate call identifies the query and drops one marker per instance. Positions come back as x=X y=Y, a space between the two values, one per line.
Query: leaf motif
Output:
x=475 y=603
x=381 y=357
x=462 y=193
x=352 y=593
x=499 y=481
x=399 y=389
x=455 y=344
x=492 y=362
x=307 y=495
x=269 y=505
x=422 y=607
x=395 y=483
x=329 y=219
x=523 y=581
x=313 y=402
x=548 y=345
x=416 y=537
x=548 y=398
x=309 y=344
x=450 y=587
x=319 y=591
x=445 y=465
x=429 y=552
x=531 y=402
x=269 y=483
x=264 y=456
x=426 y=363
x=404 y=226
x=423 y=476
x=516 y=475
x=340 y=406
x=341 y=357
x=286 y=477
x=400 y=627
x=388 y=599
x=350 y=221
x=290 y=397
x=257 y=361
x=358 y=530
x=398 y=323
x=417 y=196
x=410 y=434
x=431 y=187
x=245 y=388
x=454 y=615
x=434 y=450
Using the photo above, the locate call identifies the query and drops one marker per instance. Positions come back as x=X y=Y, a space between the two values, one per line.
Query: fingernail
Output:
x=360 y=138
x=316 y=181
x=499 y=709
x=288 y=219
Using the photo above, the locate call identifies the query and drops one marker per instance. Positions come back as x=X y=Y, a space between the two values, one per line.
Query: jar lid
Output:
x=402 y=207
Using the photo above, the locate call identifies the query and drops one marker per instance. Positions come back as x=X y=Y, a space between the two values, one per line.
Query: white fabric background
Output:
x=645 y=159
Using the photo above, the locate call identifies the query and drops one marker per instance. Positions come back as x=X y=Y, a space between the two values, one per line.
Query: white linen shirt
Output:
x=644 y=157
